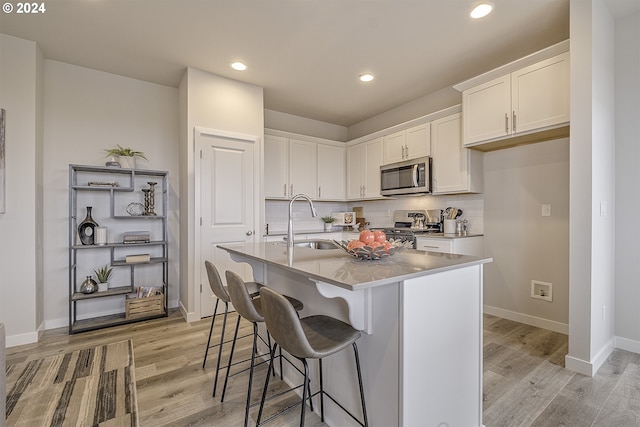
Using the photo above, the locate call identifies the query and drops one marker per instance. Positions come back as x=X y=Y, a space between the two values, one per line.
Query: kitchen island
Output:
x=421 y=318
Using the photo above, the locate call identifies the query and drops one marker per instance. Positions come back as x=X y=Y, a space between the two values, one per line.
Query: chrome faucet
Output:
x=290 y=227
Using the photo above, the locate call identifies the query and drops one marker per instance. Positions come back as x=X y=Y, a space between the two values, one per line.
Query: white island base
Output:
x=421 y=347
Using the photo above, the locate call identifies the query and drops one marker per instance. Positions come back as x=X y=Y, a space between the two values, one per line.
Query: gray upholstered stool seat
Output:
x=222 y=294
x=250 y=309
x=312 y=337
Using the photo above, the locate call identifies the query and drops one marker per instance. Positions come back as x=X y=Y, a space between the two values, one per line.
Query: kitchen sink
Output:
x=316 y=244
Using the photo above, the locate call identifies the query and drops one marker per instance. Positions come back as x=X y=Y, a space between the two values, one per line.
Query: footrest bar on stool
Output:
x=341 y=407
x=285 y=410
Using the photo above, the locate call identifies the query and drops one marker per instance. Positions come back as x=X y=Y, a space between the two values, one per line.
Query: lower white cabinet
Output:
x=454 y=245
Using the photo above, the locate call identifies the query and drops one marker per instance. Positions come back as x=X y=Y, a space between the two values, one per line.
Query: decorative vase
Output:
x=89 y=286
x=86 y=229
x=128 y=162
x=113 y=162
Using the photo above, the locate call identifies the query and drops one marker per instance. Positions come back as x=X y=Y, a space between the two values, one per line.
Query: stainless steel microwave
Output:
x=409 y=177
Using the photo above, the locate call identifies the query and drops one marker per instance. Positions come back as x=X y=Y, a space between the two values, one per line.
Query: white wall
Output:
x=296 y=124
x=627 y=300
x=86 y=112
x=591 y=182
x=526 y=246
x=218 y=103
x=20 y=257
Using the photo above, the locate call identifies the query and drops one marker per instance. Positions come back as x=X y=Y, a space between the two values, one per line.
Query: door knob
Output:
x=249 y=233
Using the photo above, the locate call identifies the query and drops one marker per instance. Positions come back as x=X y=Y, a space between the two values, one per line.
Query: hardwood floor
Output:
x=525 y=383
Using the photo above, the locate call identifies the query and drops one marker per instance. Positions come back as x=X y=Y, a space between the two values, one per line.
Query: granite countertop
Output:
x=336 y=267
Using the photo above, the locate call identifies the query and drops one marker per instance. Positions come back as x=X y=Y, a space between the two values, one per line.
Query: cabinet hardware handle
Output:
x=285 y=190
x=406 y=151
x=402 y=152
x=506 y=123
x=364 y=190
x=249 y=233
x=514 y=122
x=319 y=192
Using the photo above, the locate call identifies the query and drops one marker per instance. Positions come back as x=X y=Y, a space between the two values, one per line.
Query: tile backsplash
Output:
x=379 y=213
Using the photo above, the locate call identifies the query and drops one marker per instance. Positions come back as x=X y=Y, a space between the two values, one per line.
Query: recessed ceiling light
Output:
x=481 y=10
x=239 y=66
x=366 y=77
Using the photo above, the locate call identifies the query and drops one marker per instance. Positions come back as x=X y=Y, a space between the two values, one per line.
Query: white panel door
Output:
x=227 y=168
x=276 y=167
x=373 y=162
x=331 y=172
x=355 y=171
x=303 y=166
x=486 y=110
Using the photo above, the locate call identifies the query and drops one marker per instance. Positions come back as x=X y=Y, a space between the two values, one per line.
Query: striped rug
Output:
x=90 y=387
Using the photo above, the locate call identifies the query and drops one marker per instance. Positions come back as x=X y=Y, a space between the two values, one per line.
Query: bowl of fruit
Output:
x=371 y=245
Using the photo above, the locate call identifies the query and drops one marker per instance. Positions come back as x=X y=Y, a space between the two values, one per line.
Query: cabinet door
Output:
x=468 y=246
x=540 y=94
x=418 y=141
x=275 y=167
x=487 y=110
x=434 y=245
x=355 y=171
x=450 y=159
x=373 y=156
x=302 y=168
x=331 y=172
x=394 y=147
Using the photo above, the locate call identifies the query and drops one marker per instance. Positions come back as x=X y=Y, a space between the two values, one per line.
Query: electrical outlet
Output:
x=546 y=210
x=542 y=290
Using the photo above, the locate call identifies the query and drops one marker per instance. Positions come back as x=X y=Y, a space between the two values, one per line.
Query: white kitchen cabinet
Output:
x=407 y=144
x=363 y=170
x=276 y=167
x=457 y=245
x=527 y=100
x=290 y=167
x=455 y=169
x=331 y=172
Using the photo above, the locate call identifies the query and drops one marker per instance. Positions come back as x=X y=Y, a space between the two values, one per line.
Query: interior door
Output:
x=227 y=167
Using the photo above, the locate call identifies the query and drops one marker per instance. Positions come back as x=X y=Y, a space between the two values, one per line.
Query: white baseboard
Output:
x=590 y=368
x=21 y=339
x=628 y=345
x=538 y=322
x=188 y=316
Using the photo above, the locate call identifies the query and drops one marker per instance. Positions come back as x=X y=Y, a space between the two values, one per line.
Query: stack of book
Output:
x=136 y=237
x=148 y=291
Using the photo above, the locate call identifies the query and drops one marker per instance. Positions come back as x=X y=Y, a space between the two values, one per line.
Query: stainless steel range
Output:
x=407 y=224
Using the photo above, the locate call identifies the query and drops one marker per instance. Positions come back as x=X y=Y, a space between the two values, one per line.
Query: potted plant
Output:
x=328 y=220
x=102 y=275
x=125 y=157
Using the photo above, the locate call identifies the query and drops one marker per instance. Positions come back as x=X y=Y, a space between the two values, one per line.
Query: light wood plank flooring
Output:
x=525 y=383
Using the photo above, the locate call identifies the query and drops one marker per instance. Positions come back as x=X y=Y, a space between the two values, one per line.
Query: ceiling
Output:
x=306 y=54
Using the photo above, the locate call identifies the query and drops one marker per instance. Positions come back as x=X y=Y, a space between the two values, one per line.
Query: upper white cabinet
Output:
x=527 y=100
x=290 y=167
x=455 y=169
x=363 y=169
x=407 y=144
x=331 y=172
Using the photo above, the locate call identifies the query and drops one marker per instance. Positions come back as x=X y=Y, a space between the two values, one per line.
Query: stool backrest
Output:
x=215 y=282
x=244 y=305
x=284 y=324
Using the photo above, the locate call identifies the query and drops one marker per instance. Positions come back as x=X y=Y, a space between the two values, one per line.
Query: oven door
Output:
x=406 y=178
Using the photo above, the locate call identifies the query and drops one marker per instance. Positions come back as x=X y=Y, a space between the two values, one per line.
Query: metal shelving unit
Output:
x=112 y=201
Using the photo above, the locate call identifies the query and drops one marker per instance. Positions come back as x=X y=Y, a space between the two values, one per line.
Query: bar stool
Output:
x=251 y=310
x=220 y=291
x=312 y=337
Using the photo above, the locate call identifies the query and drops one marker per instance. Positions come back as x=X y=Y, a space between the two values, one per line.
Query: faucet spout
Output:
x=290 y=225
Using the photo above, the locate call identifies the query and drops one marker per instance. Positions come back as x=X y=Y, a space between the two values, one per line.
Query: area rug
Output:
x=90 y=387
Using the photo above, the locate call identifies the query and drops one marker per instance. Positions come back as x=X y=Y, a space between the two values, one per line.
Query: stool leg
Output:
x=266 y=383
x=253 y=358
x=224 y=325
x=321 y=391
x=269 y=344
x=304 y=391
x=364 y=408
x=233 y=347
x=213 y=320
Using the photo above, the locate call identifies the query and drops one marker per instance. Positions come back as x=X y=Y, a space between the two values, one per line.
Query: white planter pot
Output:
x=127 y=162
x=103 y=287
x=328 y=226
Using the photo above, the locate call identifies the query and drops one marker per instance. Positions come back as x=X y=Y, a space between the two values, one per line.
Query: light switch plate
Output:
x=546 y=210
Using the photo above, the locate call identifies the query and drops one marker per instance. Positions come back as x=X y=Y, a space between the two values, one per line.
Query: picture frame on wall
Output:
x=2 y=162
